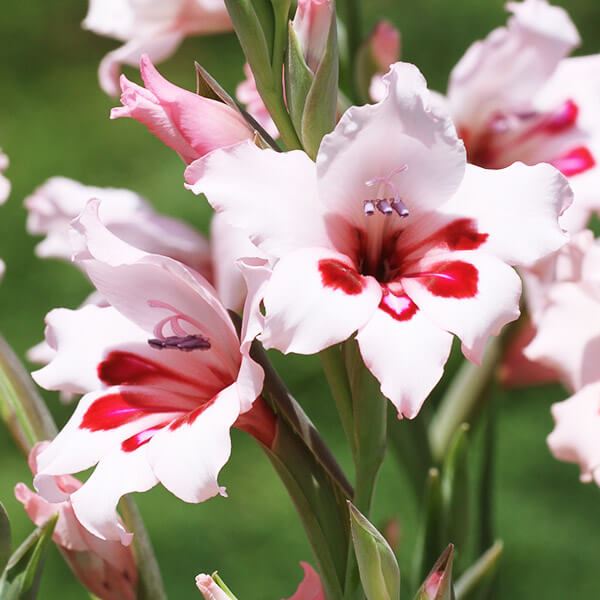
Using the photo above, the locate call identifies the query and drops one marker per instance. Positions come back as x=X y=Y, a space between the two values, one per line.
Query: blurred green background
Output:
x=54 y=120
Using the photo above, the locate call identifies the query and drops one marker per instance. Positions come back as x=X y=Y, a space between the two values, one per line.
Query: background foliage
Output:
x=54 y=120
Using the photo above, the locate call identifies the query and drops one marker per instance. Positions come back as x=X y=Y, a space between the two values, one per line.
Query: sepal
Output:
x=476 y=582
x=438 y=584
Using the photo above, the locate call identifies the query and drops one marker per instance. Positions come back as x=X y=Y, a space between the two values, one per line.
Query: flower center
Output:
x=178 y=338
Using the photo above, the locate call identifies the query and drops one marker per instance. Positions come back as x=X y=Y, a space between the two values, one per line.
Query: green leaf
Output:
x=5 y=539
x=429 y=541
x=476 y=581
x=438 y=583
x=21 y=578
x=455 y=490
x=377 y=565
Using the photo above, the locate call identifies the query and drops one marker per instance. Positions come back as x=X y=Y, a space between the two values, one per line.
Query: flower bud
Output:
x=438 y=584
x=186 y=122
x=106 y=568
x=312 y=24
x=385 y=45
x=210 y=589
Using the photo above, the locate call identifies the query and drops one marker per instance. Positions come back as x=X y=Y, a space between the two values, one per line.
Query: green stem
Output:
x=486 y=496
x=463 y=399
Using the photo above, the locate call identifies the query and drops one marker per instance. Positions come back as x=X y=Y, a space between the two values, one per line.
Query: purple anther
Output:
x=185 y=343
x=369 y=208
x=400 y=208
x=384 y=206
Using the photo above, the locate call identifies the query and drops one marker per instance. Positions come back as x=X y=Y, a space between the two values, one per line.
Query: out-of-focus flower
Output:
x=186 y=122
x=59 y=200
x=576 y=435
x=248 y=95
x=310 y=588
x=568 y=325
x=153 y=27
x=106 y=568
x=169 y=373
x=312 y=24
x=514 y=97
x=384 y=47
x=4 y=182
x=388 y=235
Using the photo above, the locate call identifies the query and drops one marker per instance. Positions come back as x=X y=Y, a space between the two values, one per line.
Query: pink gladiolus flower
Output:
x=169 y=373
x=54 y=204
x=568 y=324
x=186 y=122
x=576 y=435
x=312 y=24
x=4 y=182
x=384 y=45
x=390 y=234
x=248 y=95
x=514 y=97
x=106 y=568
x=153 y=27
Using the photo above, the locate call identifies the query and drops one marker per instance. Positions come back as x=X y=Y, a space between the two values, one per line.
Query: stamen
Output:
x=386 y=206
x=185 y=343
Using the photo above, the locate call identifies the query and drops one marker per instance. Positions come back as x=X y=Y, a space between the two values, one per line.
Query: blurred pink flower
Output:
x=515 y=97
x=106 y=568
x=576 y=435
x=4 y=182
x=385 y=48
x=209 y=588
x=186 y=122
x=153 y=27
x=169 y=376
x=387 y=235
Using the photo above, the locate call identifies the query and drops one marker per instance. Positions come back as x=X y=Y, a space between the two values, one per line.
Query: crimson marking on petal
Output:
x=140 y=439
x=117 y=409
x=339 y=276
x=398 y=305
x=461 y=234
x=575 y=161
x=453 y=279
x=563 y=118
x=189 y=418
x=126 y=368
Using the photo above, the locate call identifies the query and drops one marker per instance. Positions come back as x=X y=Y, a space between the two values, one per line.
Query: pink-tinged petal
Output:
x=273 y=196
x=517 y=208
x=516 y=370
x=149 y=289
x=55 y=203
x=405 y=351
x=228 y=244
x=117 y=474
x=248 y=95
x=568 y=335
x=314 y=299
x=187 y=456
x=311 y=587
x=186 y=122
x=312 y=23
x=470 y=294
x=576 y=434
x=512 y=63
x=210 y=590
x=157 y=47
x=4 y=182
x=78 y=340
x=403 y=139
x=115 y=18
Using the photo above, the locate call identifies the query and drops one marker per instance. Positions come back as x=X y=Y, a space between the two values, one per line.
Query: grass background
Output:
x=54 y=120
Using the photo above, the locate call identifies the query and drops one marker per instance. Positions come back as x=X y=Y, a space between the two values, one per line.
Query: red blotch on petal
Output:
x=461 y=234
x=563 y=118
x=117 y=409
x=189 y=418
x=454 y=279
x=575 y=161
x=339 y=276
x=398 y=305
x=140 y=439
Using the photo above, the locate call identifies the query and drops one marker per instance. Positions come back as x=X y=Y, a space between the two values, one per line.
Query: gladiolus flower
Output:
x=106 y=568
x=54 y=204
x=149 y=27
x=390 y=234
x=576 y=435
x=209 y=588
x=4 y=182
x=514 y=97
x=169 y=373
x=186 y=122
x=312 y=24
x=384 y=47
